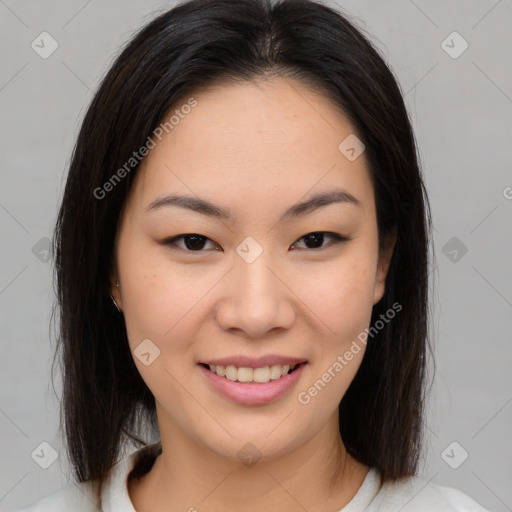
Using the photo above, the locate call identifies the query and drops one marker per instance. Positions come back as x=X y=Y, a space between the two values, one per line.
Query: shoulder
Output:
x=83 y=496
x=77 y=497
x=416 y=494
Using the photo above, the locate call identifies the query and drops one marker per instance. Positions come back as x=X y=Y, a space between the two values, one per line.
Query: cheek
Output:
x=342 y=298
x=152 y=299
x=162 y=300
x=158 y=306
x=341 y=295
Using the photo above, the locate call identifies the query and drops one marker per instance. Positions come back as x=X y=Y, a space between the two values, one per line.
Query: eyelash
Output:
x=336 y=240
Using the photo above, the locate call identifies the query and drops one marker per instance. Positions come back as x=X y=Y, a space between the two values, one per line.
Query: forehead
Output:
x=247 y=144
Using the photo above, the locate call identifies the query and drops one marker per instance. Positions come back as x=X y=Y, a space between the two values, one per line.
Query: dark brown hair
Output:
x=199 y=43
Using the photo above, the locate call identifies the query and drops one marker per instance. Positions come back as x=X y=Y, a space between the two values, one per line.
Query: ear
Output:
x=385 y=254
x=114 y=289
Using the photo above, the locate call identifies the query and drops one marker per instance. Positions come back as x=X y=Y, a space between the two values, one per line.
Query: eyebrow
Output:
x=205 y=207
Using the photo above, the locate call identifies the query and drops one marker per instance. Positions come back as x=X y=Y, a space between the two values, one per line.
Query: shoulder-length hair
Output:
x=199 y=43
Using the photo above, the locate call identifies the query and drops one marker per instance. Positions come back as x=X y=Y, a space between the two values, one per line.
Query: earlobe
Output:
x=115 y=293
x=385 y=255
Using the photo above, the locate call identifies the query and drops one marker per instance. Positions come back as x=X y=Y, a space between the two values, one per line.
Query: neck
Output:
x=315 y=475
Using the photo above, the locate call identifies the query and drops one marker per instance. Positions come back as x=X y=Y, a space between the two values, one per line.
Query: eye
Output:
x=317 y=238
x=193 y=242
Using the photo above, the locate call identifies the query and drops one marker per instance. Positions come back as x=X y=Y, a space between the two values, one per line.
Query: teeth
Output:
x=242 y=374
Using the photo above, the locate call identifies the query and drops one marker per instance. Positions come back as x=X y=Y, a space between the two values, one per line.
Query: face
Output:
x=252 y=287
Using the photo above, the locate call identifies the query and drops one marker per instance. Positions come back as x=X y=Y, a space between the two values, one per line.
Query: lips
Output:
x=252 y=393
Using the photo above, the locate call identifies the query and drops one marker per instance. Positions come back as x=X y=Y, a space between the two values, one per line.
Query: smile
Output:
x=261 y=375
x=241 y=385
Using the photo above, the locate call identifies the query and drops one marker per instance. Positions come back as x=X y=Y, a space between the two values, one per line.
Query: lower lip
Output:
x=251 y=393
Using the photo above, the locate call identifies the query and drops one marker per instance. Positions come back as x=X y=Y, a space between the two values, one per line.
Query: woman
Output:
x=242 y=262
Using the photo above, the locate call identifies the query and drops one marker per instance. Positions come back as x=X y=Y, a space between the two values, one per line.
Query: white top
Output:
x=413 y=494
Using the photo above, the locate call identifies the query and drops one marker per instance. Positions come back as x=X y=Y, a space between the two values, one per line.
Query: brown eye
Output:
x=316 y=239
x=192 y=242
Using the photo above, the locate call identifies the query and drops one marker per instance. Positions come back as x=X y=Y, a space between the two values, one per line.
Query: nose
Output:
x=256 y=298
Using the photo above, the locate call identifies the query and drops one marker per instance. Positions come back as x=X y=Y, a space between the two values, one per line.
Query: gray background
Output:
x=461 y=109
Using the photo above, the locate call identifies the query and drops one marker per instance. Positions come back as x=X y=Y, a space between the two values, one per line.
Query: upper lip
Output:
x=254 y=362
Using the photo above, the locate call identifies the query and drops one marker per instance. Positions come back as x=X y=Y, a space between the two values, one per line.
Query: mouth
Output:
x=261 y=381
x=257 y=375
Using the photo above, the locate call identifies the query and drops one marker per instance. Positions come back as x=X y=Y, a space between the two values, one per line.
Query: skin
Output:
x=255 y=149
